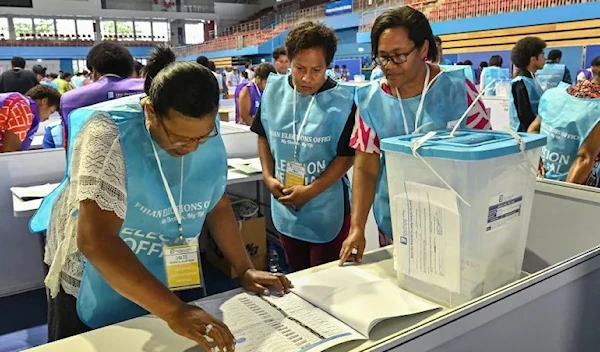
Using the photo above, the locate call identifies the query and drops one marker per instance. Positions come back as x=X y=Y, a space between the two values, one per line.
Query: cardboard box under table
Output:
x=255 y=239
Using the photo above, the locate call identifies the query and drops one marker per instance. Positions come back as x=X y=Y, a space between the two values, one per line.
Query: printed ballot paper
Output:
x=325 y=309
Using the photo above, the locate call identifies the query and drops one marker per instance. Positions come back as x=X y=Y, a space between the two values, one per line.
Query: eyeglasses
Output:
x=397 y=59
x=183 y=141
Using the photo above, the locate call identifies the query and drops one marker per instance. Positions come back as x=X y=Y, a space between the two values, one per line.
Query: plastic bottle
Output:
x=273 y=259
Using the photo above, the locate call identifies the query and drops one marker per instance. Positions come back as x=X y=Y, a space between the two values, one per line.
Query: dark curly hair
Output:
x=525 y=49
x=42 y=91
x=312 y=35
x=414 y=21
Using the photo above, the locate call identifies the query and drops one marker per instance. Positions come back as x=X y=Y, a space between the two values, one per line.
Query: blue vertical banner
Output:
x=334 y=8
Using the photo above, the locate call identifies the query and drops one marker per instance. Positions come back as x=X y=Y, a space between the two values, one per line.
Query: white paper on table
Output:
x=357 y=298
x=34 y=192
x=260 y=324
x=427 y=246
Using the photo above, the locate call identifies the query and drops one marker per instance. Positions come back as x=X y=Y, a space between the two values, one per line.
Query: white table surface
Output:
x=150 y=334
x=28 y=208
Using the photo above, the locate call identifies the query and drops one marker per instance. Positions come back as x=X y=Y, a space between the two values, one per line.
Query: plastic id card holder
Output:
x=182 y=265
x=294 y=174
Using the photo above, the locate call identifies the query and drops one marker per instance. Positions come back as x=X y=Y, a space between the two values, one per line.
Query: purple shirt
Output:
x=255 y=97
x=106 y=88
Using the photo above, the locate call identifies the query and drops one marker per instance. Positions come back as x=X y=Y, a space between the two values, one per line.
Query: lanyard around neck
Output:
x=302 y=124
x=257 y=89
x=421 y=102
x=168 y=189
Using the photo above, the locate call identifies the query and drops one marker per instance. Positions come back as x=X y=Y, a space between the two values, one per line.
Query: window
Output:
x=44 y=26
x=161 y=31
x=65 y=28
x=194 y=33
x=143 y=30
x=23 y=27
x=143 y=61
x=79 y=66
x=4 y=32
x=107 y=28
x=125 y=30
x=85 y=29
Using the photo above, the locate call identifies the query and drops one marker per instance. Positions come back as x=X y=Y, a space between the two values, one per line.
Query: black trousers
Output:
x=63 y=320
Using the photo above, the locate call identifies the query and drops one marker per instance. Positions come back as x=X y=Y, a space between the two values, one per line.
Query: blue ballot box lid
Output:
x=466 y=144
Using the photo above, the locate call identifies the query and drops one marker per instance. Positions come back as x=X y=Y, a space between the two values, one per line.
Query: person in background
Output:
x=17 y=79
x=569 y=117
x=244 y=79
x=345 y=74
x=473 y=74
x=440 y=53
x=129 y=156
x=222 y=87
x=377 y=72
x=528 y=56
x=204 y=61
x=20 y=116
x=494 y=73
x=249 y=71
x=553 y=71
x=281 y=61
x=248 y=95
x=414 y=95
x=44 y=79
x=64 y=83
x=233 y=77
x=304 y=124
x=479 y=70
x=111 y=65
x=138 y=68
x=78 y=80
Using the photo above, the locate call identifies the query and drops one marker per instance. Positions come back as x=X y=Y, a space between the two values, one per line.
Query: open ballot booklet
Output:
x=325 y=309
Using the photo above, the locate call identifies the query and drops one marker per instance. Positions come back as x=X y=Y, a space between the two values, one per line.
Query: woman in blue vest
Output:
x=528 y=57
x=304 y=125
x=136 y=182
x=414 y=95
x=493 y=73
x=248 y=95
x=569 y=117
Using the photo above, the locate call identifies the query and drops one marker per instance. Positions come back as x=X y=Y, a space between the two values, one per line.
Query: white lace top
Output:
x=98 y=174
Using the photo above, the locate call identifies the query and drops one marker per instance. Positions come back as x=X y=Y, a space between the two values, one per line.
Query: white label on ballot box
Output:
x=429 y=238
x=504 y=209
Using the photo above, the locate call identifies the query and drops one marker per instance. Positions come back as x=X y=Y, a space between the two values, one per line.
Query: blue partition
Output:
x=591 y=52
x=354 y=66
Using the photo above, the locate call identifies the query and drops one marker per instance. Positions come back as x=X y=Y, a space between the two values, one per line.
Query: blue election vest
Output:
x=550 y=76
x=567 y=121
x=445 y=102
x=469 y=73
x=149 y=220
x=493 y=74
x=53 y=135
x=535 y=93
x=321 y=219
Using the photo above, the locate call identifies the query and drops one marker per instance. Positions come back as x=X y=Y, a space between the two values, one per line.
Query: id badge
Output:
x=182 y=265
x=294 y=174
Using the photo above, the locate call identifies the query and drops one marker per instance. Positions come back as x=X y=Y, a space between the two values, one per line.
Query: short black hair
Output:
x=554 y=55
x=245 y=74
x=18 y=61
x=110 y=58
x=202 y=60
x=138 y=67
x=65 y=75
x=279 y=52
x=344 y=66
x=263 y=70
x=437 y=39
x=336 y=66
x=53 y=75
x=414 y=21
x=525 y=49
x=496 y=60
x=596 y=61
x=248 y=64
x=483 y=64
x=468 y=62
x=187 y=87
x=39 y=70
x=310 y=35
x=43 y=91
x=212 y=66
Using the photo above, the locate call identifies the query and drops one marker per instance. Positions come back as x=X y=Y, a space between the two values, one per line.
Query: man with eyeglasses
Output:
x=415 y=96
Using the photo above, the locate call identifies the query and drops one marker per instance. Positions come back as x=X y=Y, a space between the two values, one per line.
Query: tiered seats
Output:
x=30 y=39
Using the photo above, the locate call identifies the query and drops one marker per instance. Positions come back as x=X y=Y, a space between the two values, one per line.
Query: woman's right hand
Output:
x=355 y=241
x=275 y=187
x=191 y=322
